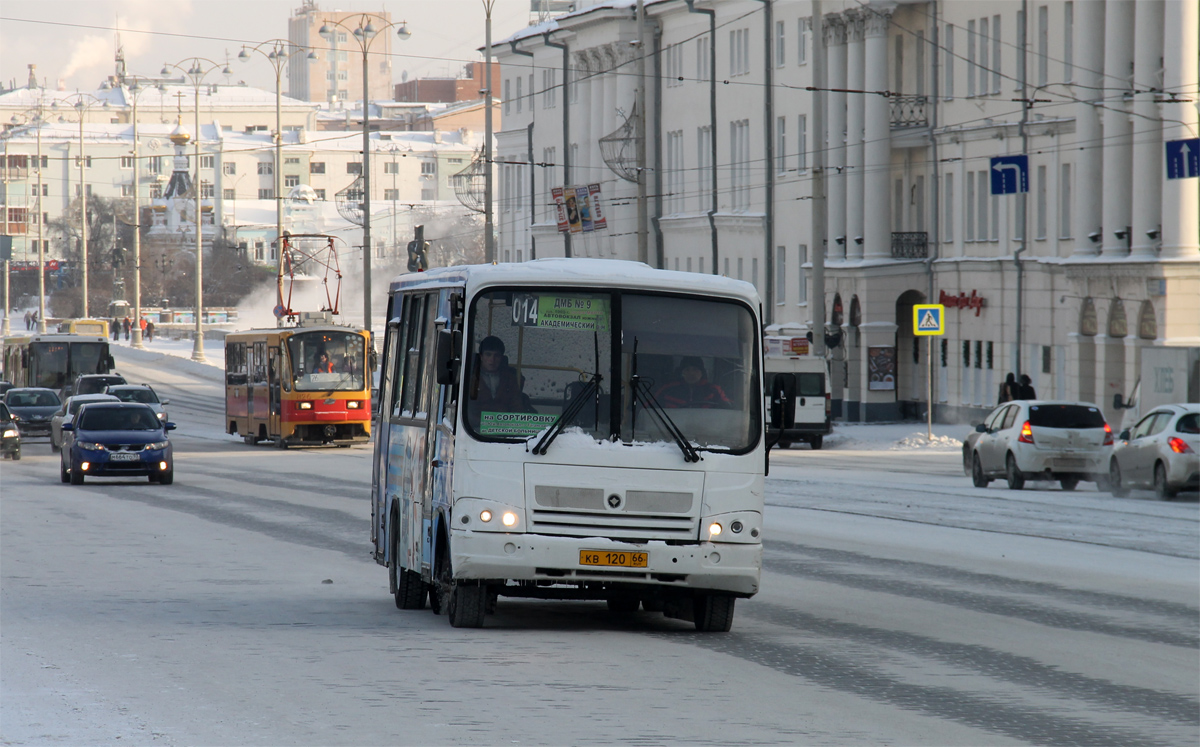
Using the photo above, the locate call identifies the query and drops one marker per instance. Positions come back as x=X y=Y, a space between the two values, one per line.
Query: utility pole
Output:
x=642 y=209
x=816 y=302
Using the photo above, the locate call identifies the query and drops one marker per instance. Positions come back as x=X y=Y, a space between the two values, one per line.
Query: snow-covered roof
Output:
x=212 y=96
x=606 y=273
x=564 y=20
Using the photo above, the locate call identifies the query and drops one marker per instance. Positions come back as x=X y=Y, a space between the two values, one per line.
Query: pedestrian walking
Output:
x=1009 y=390
x=142 y=325
x=1026 y=388
x=116 y=329
x=126 y=325
x=149 y=331
x=28 y=321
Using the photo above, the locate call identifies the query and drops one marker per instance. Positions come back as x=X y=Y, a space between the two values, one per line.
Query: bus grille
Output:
x=617 y=525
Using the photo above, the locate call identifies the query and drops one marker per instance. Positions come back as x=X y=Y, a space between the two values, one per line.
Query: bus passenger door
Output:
x=380 y=478
x=444 y=412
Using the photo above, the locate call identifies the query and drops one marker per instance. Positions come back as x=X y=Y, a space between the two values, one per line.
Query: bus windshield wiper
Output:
x=642 y=394
x=568 y=414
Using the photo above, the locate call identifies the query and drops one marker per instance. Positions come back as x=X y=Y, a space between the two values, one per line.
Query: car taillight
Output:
x=828 y=405
x=1108 y=439
x=1026 y=436
x=1178 y=445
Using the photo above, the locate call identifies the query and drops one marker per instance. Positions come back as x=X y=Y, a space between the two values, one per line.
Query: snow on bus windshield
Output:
x=534 y=352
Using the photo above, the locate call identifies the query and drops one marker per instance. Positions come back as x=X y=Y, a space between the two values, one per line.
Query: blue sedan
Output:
x=117 y=439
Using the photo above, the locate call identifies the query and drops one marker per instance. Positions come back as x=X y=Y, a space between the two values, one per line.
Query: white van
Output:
x=808 y=416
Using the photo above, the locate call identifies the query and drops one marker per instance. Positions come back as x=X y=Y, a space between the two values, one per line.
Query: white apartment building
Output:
x=1065 y=282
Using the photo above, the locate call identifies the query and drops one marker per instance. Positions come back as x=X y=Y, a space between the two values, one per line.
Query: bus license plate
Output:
x=621 y=559
x=123 y=456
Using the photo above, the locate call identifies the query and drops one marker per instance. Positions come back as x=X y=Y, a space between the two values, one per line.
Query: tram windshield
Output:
x=685 y=368
x=327 y=360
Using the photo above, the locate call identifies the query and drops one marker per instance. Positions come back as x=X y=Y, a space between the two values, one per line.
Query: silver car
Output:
x=67 y=413
x=1161 y=452
x=1040 y=440
x=142 y=394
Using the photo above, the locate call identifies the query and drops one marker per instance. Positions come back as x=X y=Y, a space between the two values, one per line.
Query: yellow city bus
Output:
x=84 y=327
x=307 y=385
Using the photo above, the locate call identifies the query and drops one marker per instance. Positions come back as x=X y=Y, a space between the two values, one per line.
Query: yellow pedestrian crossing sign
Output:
x=929 y=319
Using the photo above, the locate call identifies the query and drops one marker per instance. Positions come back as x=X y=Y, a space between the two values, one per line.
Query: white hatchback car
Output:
x=1160 y=452
x=1042 y=440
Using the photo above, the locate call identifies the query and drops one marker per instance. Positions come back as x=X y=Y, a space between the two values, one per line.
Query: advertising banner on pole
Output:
x=598 y=220
x=585 y=210
x=573 y=211
x=560 y=209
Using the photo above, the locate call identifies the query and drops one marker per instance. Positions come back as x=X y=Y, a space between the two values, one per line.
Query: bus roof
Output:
x=596 y=273
x=52 y=337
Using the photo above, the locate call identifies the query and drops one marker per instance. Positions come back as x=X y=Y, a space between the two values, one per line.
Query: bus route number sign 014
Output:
x=929 y=319
x=554 y=311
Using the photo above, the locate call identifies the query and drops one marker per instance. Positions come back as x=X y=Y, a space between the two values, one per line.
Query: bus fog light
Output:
x=736 y=527
x=485 y=516
x=714 y=529
x=509 y=519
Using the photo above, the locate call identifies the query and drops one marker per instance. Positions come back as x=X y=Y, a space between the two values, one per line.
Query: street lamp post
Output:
x=196 y=74
x=489 y=245
x=278 y=57
x=135 y=91
x=82 y=109
x=363 y=34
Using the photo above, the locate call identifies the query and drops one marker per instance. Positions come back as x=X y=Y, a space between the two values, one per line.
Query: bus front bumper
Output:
x=728 y=567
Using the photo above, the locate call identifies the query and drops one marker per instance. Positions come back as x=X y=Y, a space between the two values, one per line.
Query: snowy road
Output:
x=900 y=605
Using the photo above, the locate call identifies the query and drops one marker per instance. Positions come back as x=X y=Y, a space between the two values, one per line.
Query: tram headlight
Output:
x=509 y=519
x=353 y=404
x=485 y=516
x=304 y=405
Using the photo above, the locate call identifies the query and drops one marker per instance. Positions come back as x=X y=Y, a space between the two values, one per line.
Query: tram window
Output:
x=235 y=364
x=258 y=363
x=327 y=360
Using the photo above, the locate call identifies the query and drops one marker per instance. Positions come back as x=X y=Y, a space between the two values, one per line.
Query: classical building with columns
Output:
x=1065 y=282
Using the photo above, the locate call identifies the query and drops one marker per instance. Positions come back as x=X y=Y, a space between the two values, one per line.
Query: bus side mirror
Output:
x=783 y=395
x=111 y=363
x=1118 y=401
x=444 y=357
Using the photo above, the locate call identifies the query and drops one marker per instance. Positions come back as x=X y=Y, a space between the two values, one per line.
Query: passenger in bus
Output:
x=323 y=364
x=692 y=389
x=496 y=386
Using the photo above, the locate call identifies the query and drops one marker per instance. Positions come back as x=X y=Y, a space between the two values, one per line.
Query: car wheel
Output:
x=816 y=442
x=1162 y=491
x=281 y=443
x=1115 y=486
x=76 y=474
x=1016 y=481
x=713 y=613
x=979 y=479
x=62 y=468
x=166 y=478
x=249 y=440
x=1069 y=483
x=16 y=455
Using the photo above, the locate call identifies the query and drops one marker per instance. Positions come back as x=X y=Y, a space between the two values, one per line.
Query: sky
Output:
x=74 y=40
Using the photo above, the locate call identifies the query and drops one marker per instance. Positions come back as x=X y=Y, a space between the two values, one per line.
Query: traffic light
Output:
x=418 y=260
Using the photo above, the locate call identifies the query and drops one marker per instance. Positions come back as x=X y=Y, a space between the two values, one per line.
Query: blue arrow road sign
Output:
x=1010 y=175
x=1183 y=158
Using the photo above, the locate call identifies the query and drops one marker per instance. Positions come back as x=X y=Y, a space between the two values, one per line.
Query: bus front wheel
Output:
x=713 y=613
x=464 y=605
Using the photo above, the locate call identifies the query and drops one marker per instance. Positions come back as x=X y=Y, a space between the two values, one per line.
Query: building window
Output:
x=675 y=171
x=920 y=65
x=266 y=193
x=1021 y=41
x=320 y=194
x=229 y=168
x=156 y=163
x=126 y=163
x=1068 y=41
x=1045 y=359
x=984 y=67
x=673 y=65
x=428 y=168
x=981 y=180
x=948 y=81
x=781 y=145
x=206 y=190
x=391 y=167
x=802 y=29
x=802 y=284
x=156 y=192
x=354 y=167
x=520 y=96
x=969 y=205
x=704 y=165
x=739 y=52
x=979 y=354
x=507 y=94
x=898 y=67
x=207 y=162
x=996 y=47
x=1064 y=202
x=739 y=157
x=391 y=194
x=948 y=197
x=780 y=275
x=780 y=43
x=549 y=86
x=126 y=191
x=802 y=143
x=972 y=66
x=291 y=180
x=316 y=167
x=266 y=168
x=703 y=59
x=1041 y=202
x=291 y=160
x=228 y=194
x=1043 y=45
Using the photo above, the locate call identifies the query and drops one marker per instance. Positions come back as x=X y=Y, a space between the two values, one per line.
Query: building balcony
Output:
x=910 y=245
x=908 y=111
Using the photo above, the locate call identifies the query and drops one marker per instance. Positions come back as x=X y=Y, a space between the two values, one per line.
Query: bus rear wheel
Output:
x=409 y=589
x=713 y=613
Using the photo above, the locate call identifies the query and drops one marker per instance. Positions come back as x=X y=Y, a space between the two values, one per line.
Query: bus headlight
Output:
x=509 y=519
x=304 y=406
x=714 y=529
x=485 y=516
x=738 y=527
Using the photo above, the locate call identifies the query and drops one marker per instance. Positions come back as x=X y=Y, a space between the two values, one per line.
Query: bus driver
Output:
x=496 y=387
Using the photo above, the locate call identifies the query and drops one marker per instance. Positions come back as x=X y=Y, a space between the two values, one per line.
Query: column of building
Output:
x=1118 y=145
x=877 y=126
x=1180 y=120
x=855 y=81
x=1089 y=136
x=1147 y=130
x=835 y=143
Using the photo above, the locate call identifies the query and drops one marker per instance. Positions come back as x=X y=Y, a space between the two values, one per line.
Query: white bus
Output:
x=571 y=429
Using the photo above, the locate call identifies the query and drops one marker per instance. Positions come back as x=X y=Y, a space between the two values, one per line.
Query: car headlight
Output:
x=91 y=446
x=11 y=433
x=162 y=416
x=157 y=445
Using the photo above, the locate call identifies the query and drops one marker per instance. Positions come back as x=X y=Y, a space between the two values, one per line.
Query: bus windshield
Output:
x=327 y=360
x=684 y=364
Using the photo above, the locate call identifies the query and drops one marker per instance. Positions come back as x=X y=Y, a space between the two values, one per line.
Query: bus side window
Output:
x=387 y=375
x=400 y=354
x=415 y=333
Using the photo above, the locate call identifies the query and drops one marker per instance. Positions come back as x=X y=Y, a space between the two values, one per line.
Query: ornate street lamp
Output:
x=364 y=32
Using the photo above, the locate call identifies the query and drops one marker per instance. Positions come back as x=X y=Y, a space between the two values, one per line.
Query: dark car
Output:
x=5 y=386
x=32 y=408
x=94 y=383
x=10 y=437
x=117 y=439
